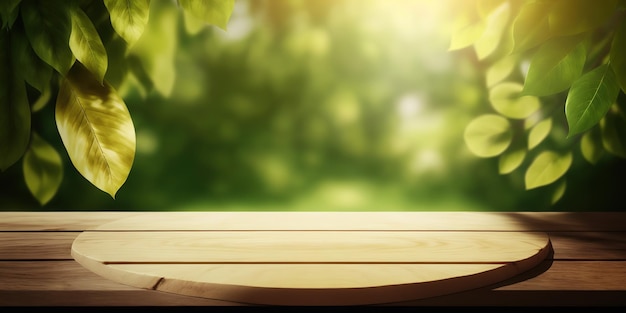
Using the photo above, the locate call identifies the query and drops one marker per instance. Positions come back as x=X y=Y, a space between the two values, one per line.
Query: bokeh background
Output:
x=325 y=105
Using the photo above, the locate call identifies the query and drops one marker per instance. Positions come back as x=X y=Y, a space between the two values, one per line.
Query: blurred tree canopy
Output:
x=313 y=105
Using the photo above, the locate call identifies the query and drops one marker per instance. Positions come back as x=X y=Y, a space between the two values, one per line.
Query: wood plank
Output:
x=589 y=245
x=575 y=275
x=492 y=221
x=146 y=299
x=36 y=245
x=53 y=275
x=566 y=245
x=308 y=246
x=57 y=221
x=88 y=289
x=535 y=221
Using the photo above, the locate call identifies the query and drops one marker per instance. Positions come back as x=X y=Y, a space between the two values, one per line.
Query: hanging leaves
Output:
x=128 y=18
x=546 y=168
x=8 y=12
x=15 y=112
x=43 y=169
x=555 y=66
x=214 y=12
x=96 y=129
x=590 y=98
x=506 y=100
x=488 y=135
x=47 y=25
x=539 y=132
x=591 y=145
x=86 y=44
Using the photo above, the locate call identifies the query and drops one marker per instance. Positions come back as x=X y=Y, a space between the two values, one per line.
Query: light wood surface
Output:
x=329 y=260
x=586 y=269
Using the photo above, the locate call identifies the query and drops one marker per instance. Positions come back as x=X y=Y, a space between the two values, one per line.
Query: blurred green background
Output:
x=325 y=105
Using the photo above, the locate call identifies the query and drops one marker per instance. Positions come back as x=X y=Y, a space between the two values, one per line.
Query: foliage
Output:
x=556 y=71
x=85 y=52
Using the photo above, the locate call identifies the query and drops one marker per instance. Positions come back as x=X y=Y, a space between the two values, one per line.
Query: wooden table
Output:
x=587 y=265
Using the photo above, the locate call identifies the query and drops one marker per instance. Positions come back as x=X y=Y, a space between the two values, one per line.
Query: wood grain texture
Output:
x=57 y=221
x=316 y=266
x=309 y=246
x=587 y=267
x=36 y=245
x=483 y=221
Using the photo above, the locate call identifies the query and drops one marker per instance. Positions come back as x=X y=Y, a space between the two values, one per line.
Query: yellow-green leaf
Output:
x=613 y=127
x=47 y=25
x=531 y=26
x=511 y=159
x=15 y=115
x=43 y=169
x=156 y=48
x=96 y=129
x=590 y=98
x=500 y=70
x=618 y=55
x=591 y=145
x=558 y=192
x=467 y=35
x=495 y=25
x=128 y=18
x=539 y=132
x=86 y=44
x=214 y=12
x=546 y=168
x=488 y=135
x=505 y=99
x=555 y=66
x=570 y=17
x=41 y=102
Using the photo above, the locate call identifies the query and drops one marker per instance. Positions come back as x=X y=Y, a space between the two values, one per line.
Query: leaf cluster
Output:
x=85 y=52
x=554 y=70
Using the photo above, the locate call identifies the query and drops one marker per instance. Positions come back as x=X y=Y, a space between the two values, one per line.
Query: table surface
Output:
x=587 y=265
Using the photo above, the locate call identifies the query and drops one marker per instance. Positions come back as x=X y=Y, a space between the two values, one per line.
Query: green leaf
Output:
x=128 y=18
x=86 y=44
x=495 y=25
x=589 y=98
x=34 y=71
x=613 y=128
x=591 y=145
x=555 y=66
x=618 y=55
x=8 y=12
x=558 y=192
x=511 y=159
x=41 y=102
x=48 y=26
x=570 y=17
x=96 y=129
x=505 y=99
x=214 y=12
x=193 y=25
x=546 y=168
x=488 y=135
x=466 y=36
x=539 y=132
x=156 y=49
x=500 y=70
x=531 y=26
x=15 y=115
x=116 y=54
x=43 y=169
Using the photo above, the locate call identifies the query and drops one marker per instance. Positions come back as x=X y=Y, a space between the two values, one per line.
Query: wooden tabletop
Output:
x=586 y=264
